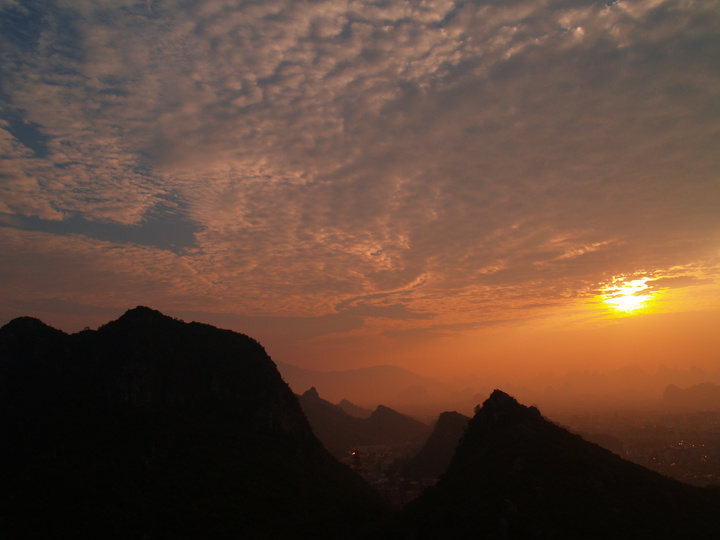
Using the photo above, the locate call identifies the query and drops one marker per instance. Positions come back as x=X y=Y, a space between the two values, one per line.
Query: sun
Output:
x=627 y=296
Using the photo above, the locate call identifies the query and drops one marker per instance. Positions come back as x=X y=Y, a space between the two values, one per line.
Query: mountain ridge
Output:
x=339 y=431
x=698 y=397
x=153 y=427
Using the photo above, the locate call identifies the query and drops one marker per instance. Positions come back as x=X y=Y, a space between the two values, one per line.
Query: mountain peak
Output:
x=28 y=324
x=502 y=409
x=16 y=334
x=311 y=393
x=450 y=417
x=142 y=313
x=500 y=400
x=354 y=410
x=383 y=410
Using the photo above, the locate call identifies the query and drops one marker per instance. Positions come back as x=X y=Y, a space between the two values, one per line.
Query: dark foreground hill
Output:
x=339 y=431
x=151 y=427
x=434 y=457
x=517 y=475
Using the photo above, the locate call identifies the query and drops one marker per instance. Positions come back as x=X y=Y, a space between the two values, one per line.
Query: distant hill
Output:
x=517 y=475
x=387 y=426
x=336 y=429
x=699 y=397
x=439 y=449
x=354 y=410
x=339 y=431
x=151 y=427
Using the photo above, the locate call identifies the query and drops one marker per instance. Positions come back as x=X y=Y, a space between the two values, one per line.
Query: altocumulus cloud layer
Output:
x=390 y=165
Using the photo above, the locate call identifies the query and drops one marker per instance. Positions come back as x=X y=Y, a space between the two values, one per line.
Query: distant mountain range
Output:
x=369 y=387
x=340 y=432
x=699 y=397
x=354 y=410
x=150 y=427
x=627 y=388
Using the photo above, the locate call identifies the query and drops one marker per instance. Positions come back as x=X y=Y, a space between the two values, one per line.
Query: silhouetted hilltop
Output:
x=699 y=397
x=354 y=410
x=517 y=475
x=388 y=426
x=339 y=431
x=435 y=456
x=152 y=427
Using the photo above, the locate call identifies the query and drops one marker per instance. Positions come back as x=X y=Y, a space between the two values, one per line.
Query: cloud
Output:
x=334 y=153
x=165 y=227
x=675 y=282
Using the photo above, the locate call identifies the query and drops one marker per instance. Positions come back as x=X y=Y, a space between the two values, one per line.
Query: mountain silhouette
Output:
x=517 y=475
x=150 y=427
x=388 y=426
x=699 y=397
x=339 y=431
x=433 y=459
x=354 y=410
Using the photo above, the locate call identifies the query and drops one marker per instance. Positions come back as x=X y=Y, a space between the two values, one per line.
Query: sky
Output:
x=453 y=187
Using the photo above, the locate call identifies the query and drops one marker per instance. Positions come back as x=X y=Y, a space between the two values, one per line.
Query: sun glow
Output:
x=627 y=296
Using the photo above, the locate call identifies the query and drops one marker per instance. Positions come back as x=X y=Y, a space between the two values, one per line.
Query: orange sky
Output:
x=451 y=187
x=587 y=337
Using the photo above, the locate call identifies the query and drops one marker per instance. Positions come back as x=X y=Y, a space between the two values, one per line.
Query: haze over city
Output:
x=467 y=190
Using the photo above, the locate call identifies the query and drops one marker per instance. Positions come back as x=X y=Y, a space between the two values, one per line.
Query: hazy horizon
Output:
x=623 y=388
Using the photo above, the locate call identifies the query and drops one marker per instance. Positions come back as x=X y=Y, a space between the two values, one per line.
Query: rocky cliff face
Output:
x=150 y=426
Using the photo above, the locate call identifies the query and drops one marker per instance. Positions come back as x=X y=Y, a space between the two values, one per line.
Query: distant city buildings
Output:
x=683 y=446
x=378 y=464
